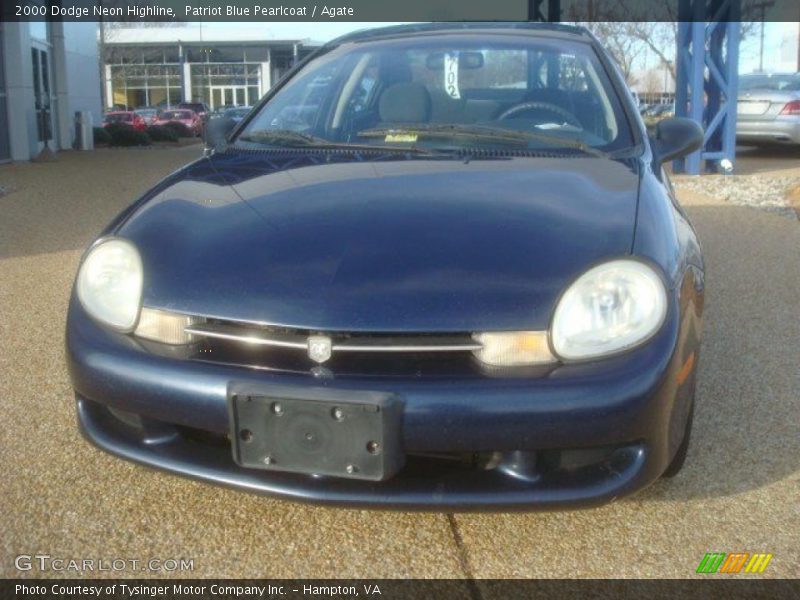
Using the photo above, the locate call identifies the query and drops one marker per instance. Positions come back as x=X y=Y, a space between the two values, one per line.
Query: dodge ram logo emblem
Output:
x=319 y=348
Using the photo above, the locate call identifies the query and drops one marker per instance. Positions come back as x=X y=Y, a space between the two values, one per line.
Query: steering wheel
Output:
x=568 y=117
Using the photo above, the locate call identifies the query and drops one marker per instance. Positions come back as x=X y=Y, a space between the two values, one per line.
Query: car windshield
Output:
x=779 y=83
x=449 y=92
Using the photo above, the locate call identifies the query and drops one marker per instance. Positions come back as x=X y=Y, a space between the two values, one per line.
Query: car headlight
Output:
x=610 y=308
x=110 y=283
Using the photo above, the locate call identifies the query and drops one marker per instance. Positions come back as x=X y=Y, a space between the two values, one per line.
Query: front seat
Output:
x=407 y=102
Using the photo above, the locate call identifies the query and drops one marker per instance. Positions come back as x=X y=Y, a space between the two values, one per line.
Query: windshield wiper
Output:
x=295 y=139
x=483 y=132
x=282 y=137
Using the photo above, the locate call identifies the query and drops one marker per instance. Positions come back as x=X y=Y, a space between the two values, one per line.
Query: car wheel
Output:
x=680 y=454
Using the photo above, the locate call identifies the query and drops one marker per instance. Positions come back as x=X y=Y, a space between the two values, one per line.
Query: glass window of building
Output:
x=221 y=74
x=226 y=84
x=138 y=86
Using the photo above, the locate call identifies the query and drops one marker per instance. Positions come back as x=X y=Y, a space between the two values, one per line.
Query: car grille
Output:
x=288 y=349
x=299 y=340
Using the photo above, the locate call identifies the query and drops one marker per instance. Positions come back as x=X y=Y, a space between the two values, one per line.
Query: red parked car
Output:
x=126 y=118
x=188 y=117
x=201 y=108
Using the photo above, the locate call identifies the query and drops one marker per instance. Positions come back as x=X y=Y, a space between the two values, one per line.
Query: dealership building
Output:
x=48 y=72
x=167 y=65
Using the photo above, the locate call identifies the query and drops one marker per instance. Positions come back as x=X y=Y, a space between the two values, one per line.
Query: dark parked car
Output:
x=237 y=113
x=218 y=111
x=657 y=114
x=124 y=118
x=463 y=283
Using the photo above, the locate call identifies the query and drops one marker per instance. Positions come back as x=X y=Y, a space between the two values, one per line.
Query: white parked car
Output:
x=768 y=110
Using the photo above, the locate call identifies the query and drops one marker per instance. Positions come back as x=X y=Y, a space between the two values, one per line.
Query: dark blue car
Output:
x=437 y=267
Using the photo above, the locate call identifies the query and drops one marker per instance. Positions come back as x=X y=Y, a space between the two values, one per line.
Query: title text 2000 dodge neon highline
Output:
x=437 y=267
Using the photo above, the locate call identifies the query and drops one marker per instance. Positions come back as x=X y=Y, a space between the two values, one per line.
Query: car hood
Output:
x=380 y=242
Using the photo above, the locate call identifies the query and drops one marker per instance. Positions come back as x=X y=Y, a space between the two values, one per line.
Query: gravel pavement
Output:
x=763 y=191
x=738 y=492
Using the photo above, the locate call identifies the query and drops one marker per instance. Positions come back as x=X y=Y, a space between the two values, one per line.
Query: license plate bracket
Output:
x=351 y=434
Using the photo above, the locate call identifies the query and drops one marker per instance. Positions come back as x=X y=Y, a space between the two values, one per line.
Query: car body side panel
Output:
x=664 y=233
x=665 y=236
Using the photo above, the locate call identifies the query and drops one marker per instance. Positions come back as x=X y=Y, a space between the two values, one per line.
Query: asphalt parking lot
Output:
x=753 y=159
x=738 y=492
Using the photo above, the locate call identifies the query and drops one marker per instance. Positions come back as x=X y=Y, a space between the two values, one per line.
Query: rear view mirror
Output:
x=676 y=137
x=216 y=134
x=466 y=60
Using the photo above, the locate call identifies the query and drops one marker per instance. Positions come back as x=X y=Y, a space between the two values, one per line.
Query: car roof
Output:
x=491 y=27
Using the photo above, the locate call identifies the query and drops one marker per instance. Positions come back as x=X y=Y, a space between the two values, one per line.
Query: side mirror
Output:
x=216 y=134
x=676 y=137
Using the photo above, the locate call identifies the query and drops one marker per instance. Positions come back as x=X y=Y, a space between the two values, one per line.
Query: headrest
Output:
x=405 y=103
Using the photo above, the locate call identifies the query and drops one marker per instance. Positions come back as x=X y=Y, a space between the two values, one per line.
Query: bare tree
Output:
x=650 y=25
x=662 y=39
x=652 y=83
x=623 y=47
x=659 y=38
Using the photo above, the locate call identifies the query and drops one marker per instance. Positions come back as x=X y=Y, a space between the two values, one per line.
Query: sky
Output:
x=780 y=48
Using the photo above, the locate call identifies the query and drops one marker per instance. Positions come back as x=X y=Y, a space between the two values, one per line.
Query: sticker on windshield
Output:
x=400 y=137
x=451 y=75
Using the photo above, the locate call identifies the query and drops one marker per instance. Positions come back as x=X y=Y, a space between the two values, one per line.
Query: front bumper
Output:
x=779 y=130
x=628 y=408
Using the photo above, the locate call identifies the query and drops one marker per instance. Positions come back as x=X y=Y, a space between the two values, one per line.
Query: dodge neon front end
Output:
x=387 y=289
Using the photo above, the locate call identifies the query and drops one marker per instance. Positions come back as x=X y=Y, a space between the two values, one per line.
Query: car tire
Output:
x=683 y=450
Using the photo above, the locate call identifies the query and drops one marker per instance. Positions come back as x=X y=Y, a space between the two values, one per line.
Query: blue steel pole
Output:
x=696 y=83
x=682 y=76
x=732 y=68
x=708 y=41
